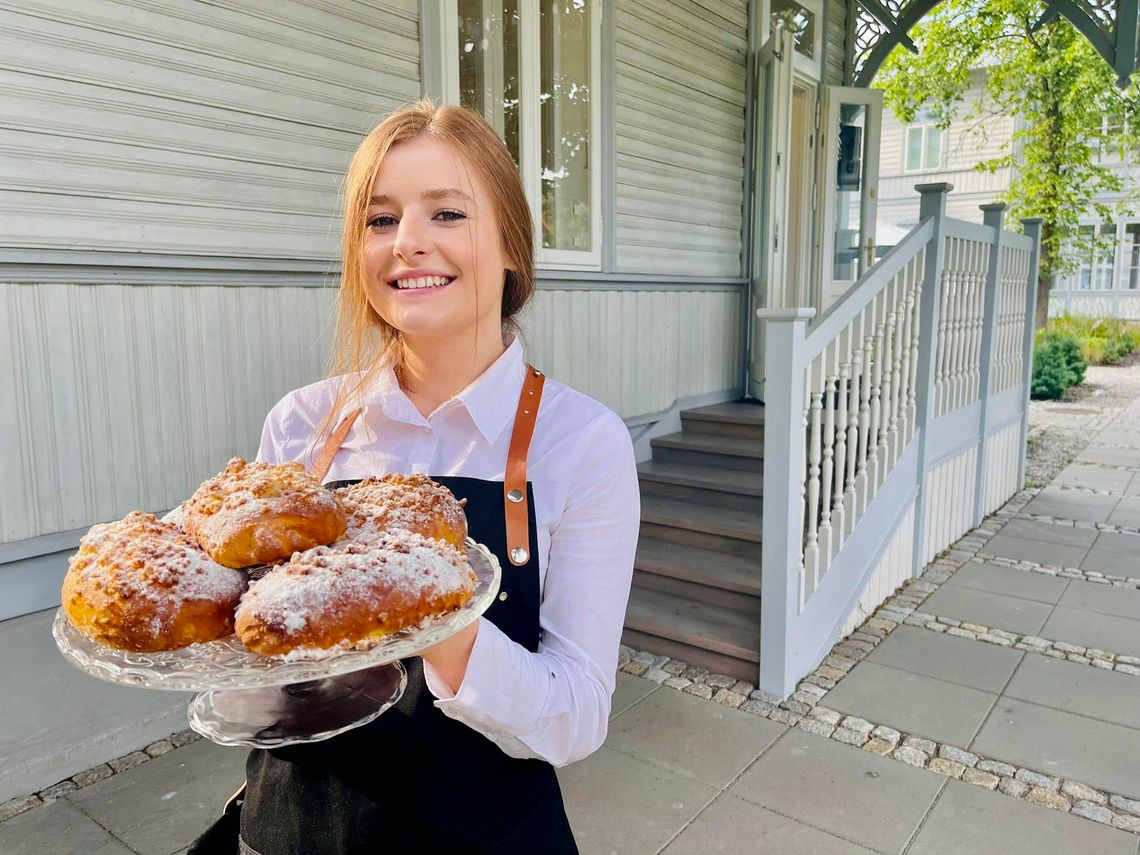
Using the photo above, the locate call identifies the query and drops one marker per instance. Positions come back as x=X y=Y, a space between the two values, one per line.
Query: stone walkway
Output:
x=990 y=706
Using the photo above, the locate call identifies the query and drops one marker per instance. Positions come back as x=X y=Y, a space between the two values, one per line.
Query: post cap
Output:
x=994 y=206
x=935 y=187
x=804 y=313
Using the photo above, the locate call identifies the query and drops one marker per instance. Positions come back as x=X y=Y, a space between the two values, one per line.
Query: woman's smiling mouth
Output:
x=421 y=282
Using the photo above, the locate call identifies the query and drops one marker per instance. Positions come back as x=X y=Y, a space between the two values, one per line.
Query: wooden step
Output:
x=707 y=449
x=701 y=566
x=717 y=663
x=688 y=515
x=740 y=419
x=707 y=485
x=719 y=630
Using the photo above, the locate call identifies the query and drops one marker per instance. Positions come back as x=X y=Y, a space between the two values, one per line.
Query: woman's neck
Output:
x=434 y=370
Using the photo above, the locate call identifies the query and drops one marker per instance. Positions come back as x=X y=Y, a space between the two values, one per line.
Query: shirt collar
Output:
x=490 y=399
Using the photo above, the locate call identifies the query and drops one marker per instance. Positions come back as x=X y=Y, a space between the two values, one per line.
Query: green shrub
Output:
x=1103 y=341
x=1057 y=364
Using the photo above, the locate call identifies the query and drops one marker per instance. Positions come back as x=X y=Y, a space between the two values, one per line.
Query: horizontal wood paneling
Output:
x=192 y=128
x=680 y=70
x=836 y=47
x=125 y=397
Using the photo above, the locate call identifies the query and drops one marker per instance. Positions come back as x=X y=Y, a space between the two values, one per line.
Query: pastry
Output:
x=257 y=513
x=412 y=503
x=353 y=593
x=141 y=584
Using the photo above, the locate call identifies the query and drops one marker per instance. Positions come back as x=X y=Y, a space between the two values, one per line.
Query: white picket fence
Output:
x=896 y=423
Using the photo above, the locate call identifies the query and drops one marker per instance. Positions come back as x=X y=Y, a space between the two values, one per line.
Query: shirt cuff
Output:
x=500 y=694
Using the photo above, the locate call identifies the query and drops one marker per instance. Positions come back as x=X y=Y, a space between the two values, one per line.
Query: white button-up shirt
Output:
x=553 y=704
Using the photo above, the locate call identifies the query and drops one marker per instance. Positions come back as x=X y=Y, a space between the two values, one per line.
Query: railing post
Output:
x=1032 y=229
x=993 y=215
x=781 y=550
x=932 y=206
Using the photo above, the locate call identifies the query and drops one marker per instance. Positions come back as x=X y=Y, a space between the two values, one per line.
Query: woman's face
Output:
x=433 y=254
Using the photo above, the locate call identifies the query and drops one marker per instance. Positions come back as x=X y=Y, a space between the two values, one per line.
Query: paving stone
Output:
x=967 y=819
x=1102 y=599
x=157 y=749
x=1014 y=788
x=980 y=779
x=675 y=667
x=1036 y=779
x=757 y=707
x=785 y=717
x=657 y=675
x=1131 y=670
x=946 y=767
x=849 y=737
x=1104 y=632
x=830 y=673
x=16 y=806
x=1078 y=689
x=826 y=715
x=814 y=725
x=695 y=674
x=926 y=746
x=1126 y=822
x=840 y=663
x=951 y=659
x=678 y=682
x=878 y=746
x=720 y=681
x=59 y=828
x=887 y=734
x=90 y=776
x=701 y=690
x=821 y=682
x=958 y=755
x=1093 y=811
x=741 y=687
x=1048 y=798
x=859 y=725
x=643 y=657
x=1012 y=614
x=729 y=698
x=635 y=668
x=910 y=756
x=1082 y=792
x=815 y=692
x=798 y=707
x=57 y=790
x=1131 y=806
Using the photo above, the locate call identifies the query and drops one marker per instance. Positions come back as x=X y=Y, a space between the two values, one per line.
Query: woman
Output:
x=438 y=262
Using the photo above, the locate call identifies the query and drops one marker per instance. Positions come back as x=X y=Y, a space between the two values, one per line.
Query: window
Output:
x=801 y=19
x=530 y=69
x=1095 y=251
x=1131 y=260
x=924 y=146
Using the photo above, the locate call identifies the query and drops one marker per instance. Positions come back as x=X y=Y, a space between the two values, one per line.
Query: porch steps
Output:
x=696 y=585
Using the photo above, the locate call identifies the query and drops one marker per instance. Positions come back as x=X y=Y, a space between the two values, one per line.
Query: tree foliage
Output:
x=1069 y=111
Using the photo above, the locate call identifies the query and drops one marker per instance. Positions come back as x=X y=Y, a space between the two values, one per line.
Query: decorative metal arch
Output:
x=878 y=26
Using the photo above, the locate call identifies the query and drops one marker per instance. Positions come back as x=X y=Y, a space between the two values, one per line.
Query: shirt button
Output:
x=502 y=596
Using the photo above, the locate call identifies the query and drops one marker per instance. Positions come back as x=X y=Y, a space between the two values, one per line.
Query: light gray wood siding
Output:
x=127 y=397
x=835 y=55
x=680 y=68
x=171 y=126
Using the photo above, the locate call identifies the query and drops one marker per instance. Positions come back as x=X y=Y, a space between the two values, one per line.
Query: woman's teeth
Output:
x=423 y=282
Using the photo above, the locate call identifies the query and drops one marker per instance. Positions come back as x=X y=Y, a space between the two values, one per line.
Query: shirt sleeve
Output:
x=554 y=704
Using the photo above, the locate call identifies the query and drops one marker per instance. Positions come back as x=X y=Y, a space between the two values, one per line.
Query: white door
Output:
x=850 y=169
x=770 y=213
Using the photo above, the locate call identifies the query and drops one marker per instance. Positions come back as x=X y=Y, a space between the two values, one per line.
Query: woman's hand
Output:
x=449 y=658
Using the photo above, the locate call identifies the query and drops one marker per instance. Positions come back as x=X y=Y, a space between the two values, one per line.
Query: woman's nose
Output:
x=411 y=240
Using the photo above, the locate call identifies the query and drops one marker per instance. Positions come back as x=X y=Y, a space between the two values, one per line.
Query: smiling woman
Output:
x=438 y=260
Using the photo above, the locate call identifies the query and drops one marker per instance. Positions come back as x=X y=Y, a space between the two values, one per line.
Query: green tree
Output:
x=1069 y=108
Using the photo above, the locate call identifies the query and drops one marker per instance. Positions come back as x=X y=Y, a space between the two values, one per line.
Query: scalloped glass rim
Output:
x=225 y=664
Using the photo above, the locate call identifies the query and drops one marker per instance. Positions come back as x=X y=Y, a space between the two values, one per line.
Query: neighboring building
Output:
x=169 y=173
x=1106 y=281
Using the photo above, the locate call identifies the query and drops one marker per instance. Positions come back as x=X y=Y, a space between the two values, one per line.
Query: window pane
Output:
x=913 y=149
x=489 y=64
x=933 y=157
x=1132 y=255
x=798 y=21
x=847 y=263
x=564 y=96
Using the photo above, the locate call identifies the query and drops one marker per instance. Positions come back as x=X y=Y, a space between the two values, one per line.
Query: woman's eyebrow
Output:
x=439 y=193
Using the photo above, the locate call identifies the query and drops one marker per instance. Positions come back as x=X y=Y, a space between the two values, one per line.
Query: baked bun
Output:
x=142 y=584
x=353 y=593
x=412 y=503
x=257 y=513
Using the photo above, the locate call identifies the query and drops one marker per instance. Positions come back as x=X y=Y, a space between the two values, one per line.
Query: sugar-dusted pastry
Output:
x=353 y=593
x=412 y=503
x=256 y=513
x=141 y=584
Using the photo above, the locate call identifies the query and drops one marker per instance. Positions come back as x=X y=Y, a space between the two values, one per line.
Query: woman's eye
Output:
x=451 y=216
x=381 y=220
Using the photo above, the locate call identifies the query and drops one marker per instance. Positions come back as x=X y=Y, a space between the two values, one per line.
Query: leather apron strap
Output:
x=514 y=479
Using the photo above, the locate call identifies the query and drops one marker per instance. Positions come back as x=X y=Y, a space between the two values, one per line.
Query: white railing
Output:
x=904 y=383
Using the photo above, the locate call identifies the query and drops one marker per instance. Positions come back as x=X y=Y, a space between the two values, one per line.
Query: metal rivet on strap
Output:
x=537 y=373
x=526 y=412
x=502 y=596
x=515 y=496
x=519 y=555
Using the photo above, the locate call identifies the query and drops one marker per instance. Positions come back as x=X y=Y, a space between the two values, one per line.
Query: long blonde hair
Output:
x=365 y=343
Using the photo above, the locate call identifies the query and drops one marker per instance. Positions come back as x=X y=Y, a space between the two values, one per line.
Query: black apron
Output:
x=415 y=780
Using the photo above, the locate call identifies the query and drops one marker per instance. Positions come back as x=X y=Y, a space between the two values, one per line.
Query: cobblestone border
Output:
x=1092 y=490
x=1094 y=576
x=16 y=806
x=1093 y=656
x=1109 y=527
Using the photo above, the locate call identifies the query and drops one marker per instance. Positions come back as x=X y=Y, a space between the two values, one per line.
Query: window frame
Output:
x=925 y=128
x=530 y=125
x=812 y=66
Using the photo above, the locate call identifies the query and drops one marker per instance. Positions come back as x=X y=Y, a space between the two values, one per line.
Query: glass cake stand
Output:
x=267 y=702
